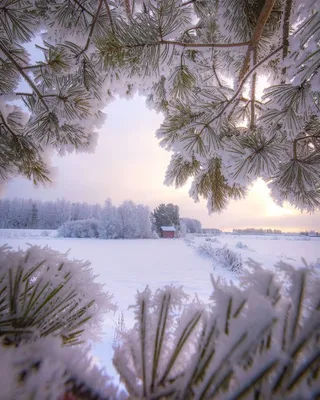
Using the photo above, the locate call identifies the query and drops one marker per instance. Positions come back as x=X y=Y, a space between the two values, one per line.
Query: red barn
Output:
x=167 y=231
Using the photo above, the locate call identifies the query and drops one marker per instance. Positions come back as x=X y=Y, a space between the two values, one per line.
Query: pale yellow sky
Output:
x=129 y=164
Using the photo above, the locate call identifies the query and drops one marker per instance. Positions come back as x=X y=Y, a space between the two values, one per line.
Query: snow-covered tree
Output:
x=144 y=222
x=128 y=220
x=108 y=223
x=202 y=63
x=166 y=215
x=82 y=228
x=192 y=225
x=23 y=213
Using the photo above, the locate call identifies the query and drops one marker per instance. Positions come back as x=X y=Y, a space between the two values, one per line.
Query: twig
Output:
x=301 y=138
x=216 y=76
x=285 y=34
x=3 y=122
x=35 y=66
x=92 y=28
x=257 y=33
x=188 y=45
x=128 y=8
x=215 y=72
x=253 y=90
x=17 y=94
x=187 y=3
x=109 y=15
x=83 y=8
x=196 y=45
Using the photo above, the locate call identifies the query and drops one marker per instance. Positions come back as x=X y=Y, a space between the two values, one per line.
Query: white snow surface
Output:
x=125 y=266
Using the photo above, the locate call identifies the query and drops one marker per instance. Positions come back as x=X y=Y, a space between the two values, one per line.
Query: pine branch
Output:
x=205 y=45
x=253 y=89
x=187 y=3
x=34 y=66
x=83 y=8
x=25 y=76
x=285 y=34
x=216 y=76
x=257 y=33
x=128 y=8
x=109 y=15
x=241 y=85
x=295 y=157
x=94 y=21
x=3 y=123
x=17 y=94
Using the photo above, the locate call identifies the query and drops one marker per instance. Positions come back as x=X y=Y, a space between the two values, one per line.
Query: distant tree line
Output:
x=76 y=219
x=191 y=225
x=35 y=214
x=257 y=231
x=127 y=221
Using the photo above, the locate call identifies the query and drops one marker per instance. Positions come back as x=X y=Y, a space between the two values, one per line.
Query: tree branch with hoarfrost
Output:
x=237 y=83
x=50 y=308
x=258 y=340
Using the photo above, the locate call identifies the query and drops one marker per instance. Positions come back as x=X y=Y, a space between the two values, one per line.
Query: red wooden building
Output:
x=167 y=231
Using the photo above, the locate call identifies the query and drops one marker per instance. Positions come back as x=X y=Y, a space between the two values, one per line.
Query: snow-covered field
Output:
x=126 y=266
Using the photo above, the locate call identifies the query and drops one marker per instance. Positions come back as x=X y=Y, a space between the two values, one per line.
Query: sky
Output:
x=128 y=163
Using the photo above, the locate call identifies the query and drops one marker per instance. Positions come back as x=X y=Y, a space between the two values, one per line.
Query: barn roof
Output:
x=168 y=228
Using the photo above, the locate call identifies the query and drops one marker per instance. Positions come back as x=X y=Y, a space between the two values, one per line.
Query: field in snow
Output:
x=125 y=266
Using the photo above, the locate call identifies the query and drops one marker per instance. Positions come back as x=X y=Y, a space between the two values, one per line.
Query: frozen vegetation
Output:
x=174 y=273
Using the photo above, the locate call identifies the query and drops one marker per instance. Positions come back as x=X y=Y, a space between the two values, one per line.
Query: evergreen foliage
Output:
x=166 y=215
x=201 y=63
x=260 y=341
x=50 y=307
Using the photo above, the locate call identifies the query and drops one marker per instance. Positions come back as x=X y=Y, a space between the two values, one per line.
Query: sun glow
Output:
x=261 y=192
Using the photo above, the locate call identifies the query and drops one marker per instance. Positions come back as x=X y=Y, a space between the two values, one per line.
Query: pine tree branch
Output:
x=187 y=3
x=3 y=123
x=216 y=76
x=187 y=45
x=194 y=28
x=83 y=8
x=215 y=73
x=241 y=86
x=109 y=15
x=295 y=157
x=17 y=94
x=93 y=23
x=25 y=76
x=285 y=34
x=51 y=95
x=128 y=8
x=34 y=66
x=257 y=33
x=253 y=89
x=199 y=45
x=23 y=94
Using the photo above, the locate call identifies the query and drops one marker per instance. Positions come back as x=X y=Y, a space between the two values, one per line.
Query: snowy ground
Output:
x=126 y=266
